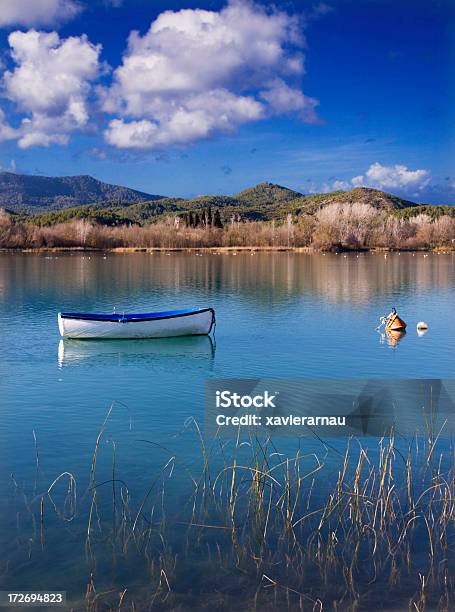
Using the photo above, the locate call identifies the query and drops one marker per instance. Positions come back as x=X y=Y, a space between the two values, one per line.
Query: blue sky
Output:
x=212 y=97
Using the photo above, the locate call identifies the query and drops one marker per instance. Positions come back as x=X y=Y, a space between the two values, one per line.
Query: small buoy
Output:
x=421 y=325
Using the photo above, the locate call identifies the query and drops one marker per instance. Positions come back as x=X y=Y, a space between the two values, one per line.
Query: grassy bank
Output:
x=337 y=226
x=257 y=530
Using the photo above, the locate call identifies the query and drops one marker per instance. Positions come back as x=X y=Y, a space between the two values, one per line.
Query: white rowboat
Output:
x=191 y=322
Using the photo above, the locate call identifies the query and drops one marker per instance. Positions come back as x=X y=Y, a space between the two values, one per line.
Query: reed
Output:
x=261 y=530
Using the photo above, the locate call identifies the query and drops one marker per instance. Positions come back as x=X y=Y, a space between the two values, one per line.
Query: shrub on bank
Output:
x=351 y=225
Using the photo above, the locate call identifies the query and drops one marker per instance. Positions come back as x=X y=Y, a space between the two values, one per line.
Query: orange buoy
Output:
x=394 y=323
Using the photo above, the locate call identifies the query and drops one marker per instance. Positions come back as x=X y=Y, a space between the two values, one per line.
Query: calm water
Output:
x=278 y=315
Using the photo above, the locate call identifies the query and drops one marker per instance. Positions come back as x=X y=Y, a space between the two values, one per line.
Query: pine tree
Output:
x=217 y=219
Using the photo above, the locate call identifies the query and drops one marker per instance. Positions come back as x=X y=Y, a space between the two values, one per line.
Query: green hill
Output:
x=363 y=195
x=266 y=194
x=27 y=193
x=263 y=202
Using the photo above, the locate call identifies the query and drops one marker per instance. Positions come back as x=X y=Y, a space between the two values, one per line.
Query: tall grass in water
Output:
x=259 y=530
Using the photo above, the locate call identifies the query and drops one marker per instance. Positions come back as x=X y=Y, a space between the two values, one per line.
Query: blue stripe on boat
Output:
x=146 y=316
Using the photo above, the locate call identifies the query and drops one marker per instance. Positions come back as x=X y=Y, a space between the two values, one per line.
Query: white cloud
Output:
x=36 y=12
x=340 y=186
x=392 y=177
x=11 y=167
x=196 y=73
x=200 y=117
x=284 y=99
x=6 y=131
x=50 y=85
x=397 y=177
x=320 y=9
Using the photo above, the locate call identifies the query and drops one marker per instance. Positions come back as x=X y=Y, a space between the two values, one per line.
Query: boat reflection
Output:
x=72 y=352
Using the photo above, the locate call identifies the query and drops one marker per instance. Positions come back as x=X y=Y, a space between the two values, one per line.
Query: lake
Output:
x=279 y=315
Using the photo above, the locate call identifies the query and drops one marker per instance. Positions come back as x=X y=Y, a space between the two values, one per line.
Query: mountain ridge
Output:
x=27 y=192
x=51 y=200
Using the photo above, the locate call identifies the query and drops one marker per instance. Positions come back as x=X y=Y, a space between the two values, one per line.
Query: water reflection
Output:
x=394 y=336
x=127 y=277
x=391 y=337
x=127 y=352
x=406 y=407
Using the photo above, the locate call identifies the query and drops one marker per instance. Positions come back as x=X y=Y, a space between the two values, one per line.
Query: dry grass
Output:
x=362 y=226
x=260 y=530
x=353 y=226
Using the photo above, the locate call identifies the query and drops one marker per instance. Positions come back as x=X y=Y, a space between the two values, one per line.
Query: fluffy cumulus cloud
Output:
x=398 y=177
x=392 y=177
x=50 y=85
x=6 y=131
x=196 y=73
x=36 y=12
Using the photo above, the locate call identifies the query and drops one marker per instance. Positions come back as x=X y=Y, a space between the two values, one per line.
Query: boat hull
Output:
x=153 y=325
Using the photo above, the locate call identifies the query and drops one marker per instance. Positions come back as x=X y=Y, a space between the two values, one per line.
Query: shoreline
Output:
x=222 y=249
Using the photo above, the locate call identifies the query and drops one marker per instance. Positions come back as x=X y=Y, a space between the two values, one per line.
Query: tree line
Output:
x=205 y=219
